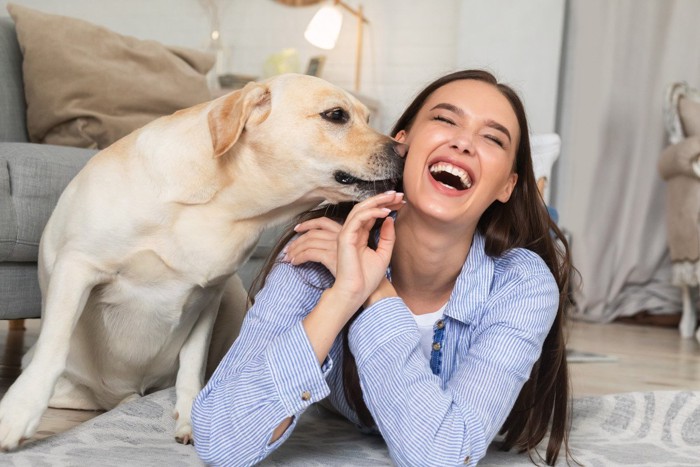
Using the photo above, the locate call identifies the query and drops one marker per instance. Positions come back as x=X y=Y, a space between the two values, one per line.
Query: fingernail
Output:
x=296 y=227
x=389 y=192
x=386 y=210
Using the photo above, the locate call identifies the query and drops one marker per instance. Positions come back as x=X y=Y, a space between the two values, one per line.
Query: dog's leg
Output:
x=130 y=398
x=190 y=376
x=205 y=347
x=20 y=410
x=68 y=395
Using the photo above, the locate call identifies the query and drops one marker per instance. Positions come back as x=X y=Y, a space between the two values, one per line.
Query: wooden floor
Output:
x=647 y=359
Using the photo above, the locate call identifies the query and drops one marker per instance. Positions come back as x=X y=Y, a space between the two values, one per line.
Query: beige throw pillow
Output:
x=87 y=86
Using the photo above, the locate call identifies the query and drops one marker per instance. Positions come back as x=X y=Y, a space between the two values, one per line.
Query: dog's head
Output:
x=306 y=137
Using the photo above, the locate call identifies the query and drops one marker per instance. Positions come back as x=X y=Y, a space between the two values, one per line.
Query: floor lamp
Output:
x=324 y=28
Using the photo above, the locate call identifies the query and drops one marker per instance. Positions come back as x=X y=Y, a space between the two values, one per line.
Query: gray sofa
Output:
x=32 y=177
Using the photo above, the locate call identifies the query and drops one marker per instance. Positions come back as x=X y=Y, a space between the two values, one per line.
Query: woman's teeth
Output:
x=451 y=176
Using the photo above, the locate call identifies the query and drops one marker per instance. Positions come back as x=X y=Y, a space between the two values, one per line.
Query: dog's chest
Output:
x=145 y=283
x=205 y=249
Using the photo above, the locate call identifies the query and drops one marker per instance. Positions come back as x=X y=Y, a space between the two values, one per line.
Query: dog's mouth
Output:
x=451 y=176
x=369 y=186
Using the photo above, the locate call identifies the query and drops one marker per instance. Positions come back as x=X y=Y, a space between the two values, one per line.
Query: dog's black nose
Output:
x=345 y=178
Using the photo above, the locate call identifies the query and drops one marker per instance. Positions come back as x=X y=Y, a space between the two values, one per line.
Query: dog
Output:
x=137 y=262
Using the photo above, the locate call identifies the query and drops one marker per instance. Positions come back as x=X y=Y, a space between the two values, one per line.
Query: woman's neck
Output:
x=426 y=261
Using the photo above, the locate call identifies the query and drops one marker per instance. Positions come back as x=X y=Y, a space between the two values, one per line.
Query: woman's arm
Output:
x=270 y=374
x=426 y=424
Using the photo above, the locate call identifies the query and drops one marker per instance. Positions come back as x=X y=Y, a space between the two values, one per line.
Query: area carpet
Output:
x=631 y=429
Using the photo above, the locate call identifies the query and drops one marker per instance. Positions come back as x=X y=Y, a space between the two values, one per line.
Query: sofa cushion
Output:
x=87 y=86
x=12 y=106
x=19 y=289
x=32 y=177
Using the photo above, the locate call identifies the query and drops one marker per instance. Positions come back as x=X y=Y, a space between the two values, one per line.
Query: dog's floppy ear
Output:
x=228 y=117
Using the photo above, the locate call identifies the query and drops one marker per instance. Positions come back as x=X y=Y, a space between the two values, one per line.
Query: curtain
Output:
x=618 y=58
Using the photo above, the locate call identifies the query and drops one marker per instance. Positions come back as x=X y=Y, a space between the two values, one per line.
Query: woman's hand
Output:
x=359 y=268
x=317 y=243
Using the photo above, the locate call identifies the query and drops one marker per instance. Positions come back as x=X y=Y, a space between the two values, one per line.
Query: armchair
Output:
x=679 y=166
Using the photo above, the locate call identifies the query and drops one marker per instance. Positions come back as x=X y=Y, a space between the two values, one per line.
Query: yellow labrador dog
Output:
x=138 y=260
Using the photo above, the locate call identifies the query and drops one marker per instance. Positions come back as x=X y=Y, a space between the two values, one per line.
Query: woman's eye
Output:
x=440 y=118
x=496 y=140
x=336 y=115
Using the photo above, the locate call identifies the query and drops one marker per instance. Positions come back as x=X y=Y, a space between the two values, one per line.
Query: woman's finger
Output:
x=310 y=237
x=363 y=218
x=320 y=223
x=313 y=255
x=387 y=238
x=327 y=245
x=389 y=200
x=382 y=199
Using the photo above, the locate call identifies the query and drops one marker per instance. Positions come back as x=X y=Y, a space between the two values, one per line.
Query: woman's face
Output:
x=462 y=147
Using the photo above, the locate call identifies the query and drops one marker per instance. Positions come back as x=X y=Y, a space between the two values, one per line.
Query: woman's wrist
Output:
x=325 y=321
x=346 y=303
x=384 y=290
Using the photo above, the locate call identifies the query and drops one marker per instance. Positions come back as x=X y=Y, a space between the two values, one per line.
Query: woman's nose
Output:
x=462 y=143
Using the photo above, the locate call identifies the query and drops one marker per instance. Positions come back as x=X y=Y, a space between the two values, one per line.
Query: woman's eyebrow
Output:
x=450 y=107
x=490 y=123
x=497 y=126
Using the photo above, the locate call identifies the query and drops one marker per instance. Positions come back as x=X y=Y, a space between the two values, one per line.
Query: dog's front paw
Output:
x=183 y=433
x=183 y=420
x=19 y=419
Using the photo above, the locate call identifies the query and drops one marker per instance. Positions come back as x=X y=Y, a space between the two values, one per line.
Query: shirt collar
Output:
x=473 y=283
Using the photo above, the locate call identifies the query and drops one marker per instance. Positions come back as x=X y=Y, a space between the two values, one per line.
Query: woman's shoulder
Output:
x=522 y=262
x=312 y=274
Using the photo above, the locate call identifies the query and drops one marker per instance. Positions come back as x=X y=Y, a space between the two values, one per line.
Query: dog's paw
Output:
x=183 y=433
x=19 y=419
x=183 y=420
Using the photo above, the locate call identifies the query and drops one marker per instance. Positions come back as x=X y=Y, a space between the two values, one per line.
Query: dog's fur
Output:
x=138 y=260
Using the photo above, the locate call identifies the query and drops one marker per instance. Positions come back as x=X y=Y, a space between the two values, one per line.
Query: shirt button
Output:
x=436 y=346
x=467 y=459
x=440 y=324
x=305 y=396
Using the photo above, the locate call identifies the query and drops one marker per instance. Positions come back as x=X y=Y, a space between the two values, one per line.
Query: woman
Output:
x=446 y=332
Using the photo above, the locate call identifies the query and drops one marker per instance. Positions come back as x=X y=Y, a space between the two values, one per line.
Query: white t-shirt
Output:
x=425 y=323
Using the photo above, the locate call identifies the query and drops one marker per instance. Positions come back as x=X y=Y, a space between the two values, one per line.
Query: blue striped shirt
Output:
x=496 y=320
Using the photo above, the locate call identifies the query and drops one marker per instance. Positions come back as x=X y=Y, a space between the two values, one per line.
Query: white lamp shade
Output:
x=324 y=27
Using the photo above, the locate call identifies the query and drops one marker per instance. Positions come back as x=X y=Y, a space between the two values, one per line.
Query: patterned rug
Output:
x=632 y=429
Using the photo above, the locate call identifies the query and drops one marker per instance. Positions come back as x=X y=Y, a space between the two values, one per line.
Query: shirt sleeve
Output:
x=425 y=423
x=269 y=374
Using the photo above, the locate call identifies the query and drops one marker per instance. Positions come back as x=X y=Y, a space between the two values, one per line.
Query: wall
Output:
x=407 y=43
x=520 y=42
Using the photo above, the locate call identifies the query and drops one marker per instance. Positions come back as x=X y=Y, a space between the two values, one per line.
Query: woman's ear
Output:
x=508 y=188
x=401 y=136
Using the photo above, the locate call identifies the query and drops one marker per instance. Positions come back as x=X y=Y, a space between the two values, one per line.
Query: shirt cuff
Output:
x=299 y=379
x=380 y=323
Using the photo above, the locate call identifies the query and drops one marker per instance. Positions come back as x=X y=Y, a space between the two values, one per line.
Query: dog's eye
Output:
x=336 y=115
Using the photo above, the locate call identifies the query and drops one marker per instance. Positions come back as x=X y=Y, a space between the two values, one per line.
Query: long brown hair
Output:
x=543 y=405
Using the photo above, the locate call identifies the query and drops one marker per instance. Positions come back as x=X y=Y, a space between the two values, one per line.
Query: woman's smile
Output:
x=450 y=177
